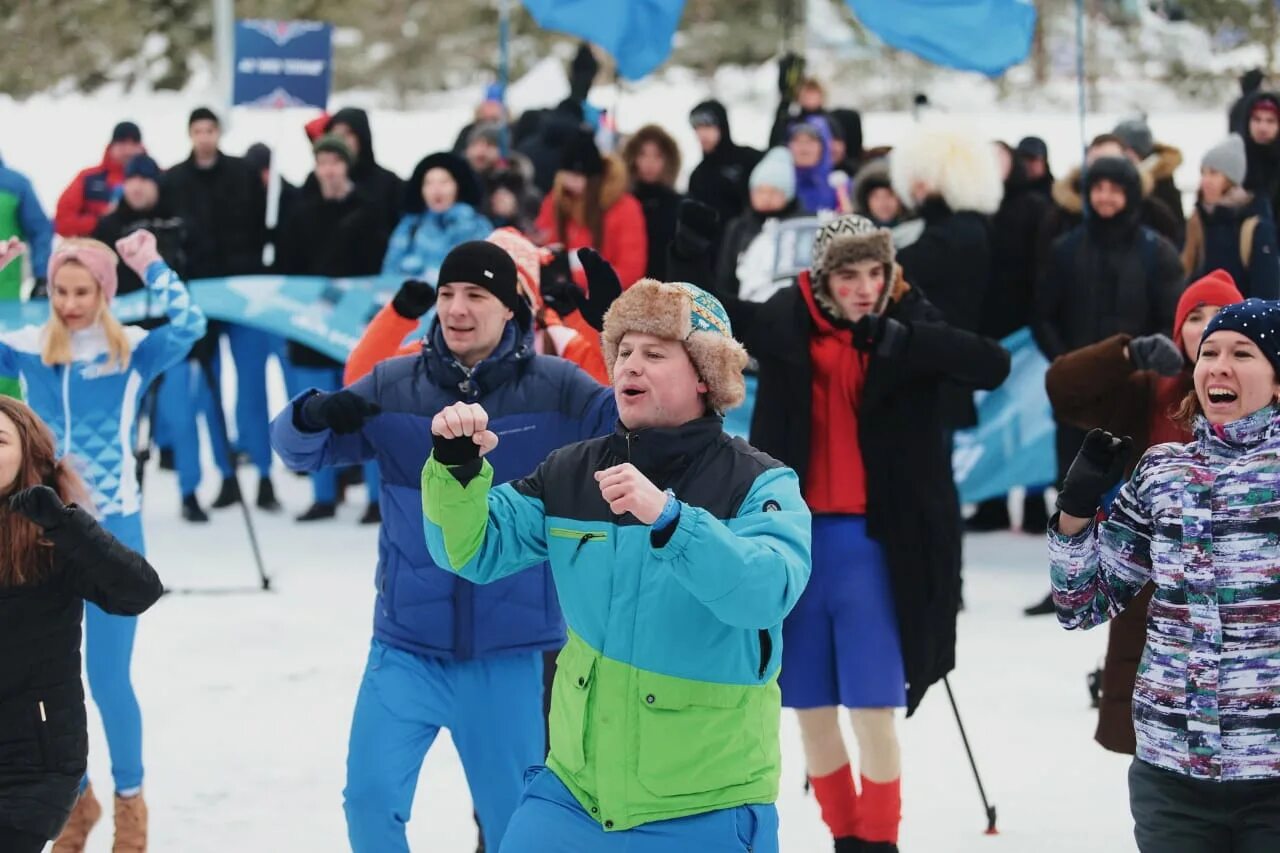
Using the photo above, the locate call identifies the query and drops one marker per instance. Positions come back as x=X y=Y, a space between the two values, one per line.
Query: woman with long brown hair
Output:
x=53 y=557
x=84 y=374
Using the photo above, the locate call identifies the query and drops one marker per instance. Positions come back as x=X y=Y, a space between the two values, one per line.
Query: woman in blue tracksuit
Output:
x=84 y=375
x=441 y=205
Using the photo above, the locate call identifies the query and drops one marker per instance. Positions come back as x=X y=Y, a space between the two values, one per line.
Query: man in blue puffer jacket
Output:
x=448 y=653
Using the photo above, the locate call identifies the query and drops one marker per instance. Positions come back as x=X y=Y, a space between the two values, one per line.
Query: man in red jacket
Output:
x=95 y=191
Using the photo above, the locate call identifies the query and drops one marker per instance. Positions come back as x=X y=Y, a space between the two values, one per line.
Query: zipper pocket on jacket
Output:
x=582 y=536
x=766 y=652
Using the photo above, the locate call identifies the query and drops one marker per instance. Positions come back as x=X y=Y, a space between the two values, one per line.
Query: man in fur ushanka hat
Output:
x=677 y=552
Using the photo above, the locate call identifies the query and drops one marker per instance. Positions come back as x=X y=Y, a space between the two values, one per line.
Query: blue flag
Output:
x=972 y=35
x=637 y=33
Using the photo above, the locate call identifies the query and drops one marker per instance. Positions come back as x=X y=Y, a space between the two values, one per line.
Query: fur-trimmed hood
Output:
x=666 y=144
x=1067 y=194
x=613 y=185
x=958 y=164
x=682 y=312
x=1163 y=161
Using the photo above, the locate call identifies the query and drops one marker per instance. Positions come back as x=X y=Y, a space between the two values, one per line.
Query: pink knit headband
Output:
x=98 y=260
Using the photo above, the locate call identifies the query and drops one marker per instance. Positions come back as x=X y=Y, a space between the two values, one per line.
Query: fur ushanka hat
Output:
x=848 y=240
x=682 y=312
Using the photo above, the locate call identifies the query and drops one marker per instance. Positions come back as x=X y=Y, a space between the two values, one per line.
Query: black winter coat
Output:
x=1106 y=278
x=224 y=208
x=660 y=204
x=330 y=238
x=162 y=221
x=720 y=180
x=1014 y=232
x=951 y=263
x=44 y=740
x=912 y=506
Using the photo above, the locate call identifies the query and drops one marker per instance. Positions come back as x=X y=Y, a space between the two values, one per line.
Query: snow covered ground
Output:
x=247 y=699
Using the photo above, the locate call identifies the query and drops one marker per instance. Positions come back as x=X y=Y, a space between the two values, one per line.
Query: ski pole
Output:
x=990 y=809
x=206 y=368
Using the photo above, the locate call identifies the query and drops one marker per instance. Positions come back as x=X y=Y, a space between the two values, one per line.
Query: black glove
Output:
x=342 y=411
x=1097 y=468
x=790 y=73
x=41 y=288
x=697 y=226
x=1158 y=353
x=603 y=286
x=559 y=293
x=41 y=504
x=876 y=333
x=582 y=72
x=413 y=299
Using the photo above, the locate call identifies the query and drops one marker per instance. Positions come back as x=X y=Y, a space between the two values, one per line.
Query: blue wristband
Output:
x=670 y=512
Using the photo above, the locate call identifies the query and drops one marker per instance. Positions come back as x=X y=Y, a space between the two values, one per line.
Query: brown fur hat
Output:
x=666 y=144
x=682 y=312
x=848 y=240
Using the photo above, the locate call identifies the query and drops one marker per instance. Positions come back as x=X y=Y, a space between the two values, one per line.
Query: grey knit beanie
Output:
x=1227 y=157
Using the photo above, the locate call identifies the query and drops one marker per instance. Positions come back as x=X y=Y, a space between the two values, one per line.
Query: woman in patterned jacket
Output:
x=1199 y=521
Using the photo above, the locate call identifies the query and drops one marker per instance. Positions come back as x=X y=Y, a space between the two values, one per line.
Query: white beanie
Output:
x=777 y=170
x=1227 y=157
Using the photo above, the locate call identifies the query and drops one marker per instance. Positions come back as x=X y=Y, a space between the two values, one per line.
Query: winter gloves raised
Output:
x=343 y=412
x=413 y=299
x=41 y=504
x=563 y=296
x=1097 y=468
x=1158 y=353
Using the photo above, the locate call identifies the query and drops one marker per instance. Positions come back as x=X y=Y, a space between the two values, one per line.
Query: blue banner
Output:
x=973 y=35
x=637 y=33
x=283 y=64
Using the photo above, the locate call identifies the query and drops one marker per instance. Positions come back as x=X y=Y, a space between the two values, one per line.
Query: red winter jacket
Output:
x=88 y=198
x=625 y=241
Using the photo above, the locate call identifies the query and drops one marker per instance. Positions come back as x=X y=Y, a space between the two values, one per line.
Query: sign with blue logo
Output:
x=282 y=64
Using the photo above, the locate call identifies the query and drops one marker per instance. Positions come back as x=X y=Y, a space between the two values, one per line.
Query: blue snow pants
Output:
x=250 y=349
x=550 y=820
x=184 y=394
x=492 y=708
x=108 y=652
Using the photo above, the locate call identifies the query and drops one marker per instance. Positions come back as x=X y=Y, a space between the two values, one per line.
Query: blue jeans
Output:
x=184 y=393
x=550 y=820
x=324 y=483
x=493 y=710
x=108 y=653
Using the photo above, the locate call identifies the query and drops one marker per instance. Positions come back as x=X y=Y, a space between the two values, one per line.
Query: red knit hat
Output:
x=1216 y=288
x=1265 y=105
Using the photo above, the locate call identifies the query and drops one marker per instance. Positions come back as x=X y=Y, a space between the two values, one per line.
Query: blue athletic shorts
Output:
x=840 y=644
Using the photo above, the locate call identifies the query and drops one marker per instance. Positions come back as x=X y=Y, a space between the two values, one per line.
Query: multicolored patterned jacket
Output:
x=1201 y=520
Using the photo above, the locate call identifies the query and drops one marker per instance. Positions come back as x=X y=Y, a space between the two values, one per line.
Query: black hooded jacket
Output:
x=1107 y=276
x=720 y=180
x=1263 y=175
x=224 y=207
x=1015 y=229
x=1238 y=117
x=382 y=187
x=44 y=741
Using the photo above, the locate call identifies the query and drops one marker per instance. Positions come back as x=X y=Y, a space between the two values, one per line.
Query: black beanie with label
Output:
x=483 y=264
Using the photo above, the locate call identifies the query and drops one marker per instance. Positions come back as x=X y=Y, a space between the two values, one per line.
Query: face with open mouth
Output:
x=1233 y=379
x=655 y=383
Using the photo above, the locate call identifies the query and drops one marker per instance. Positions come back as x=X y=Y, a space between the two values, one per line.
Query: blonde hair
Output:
x=57 y=339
